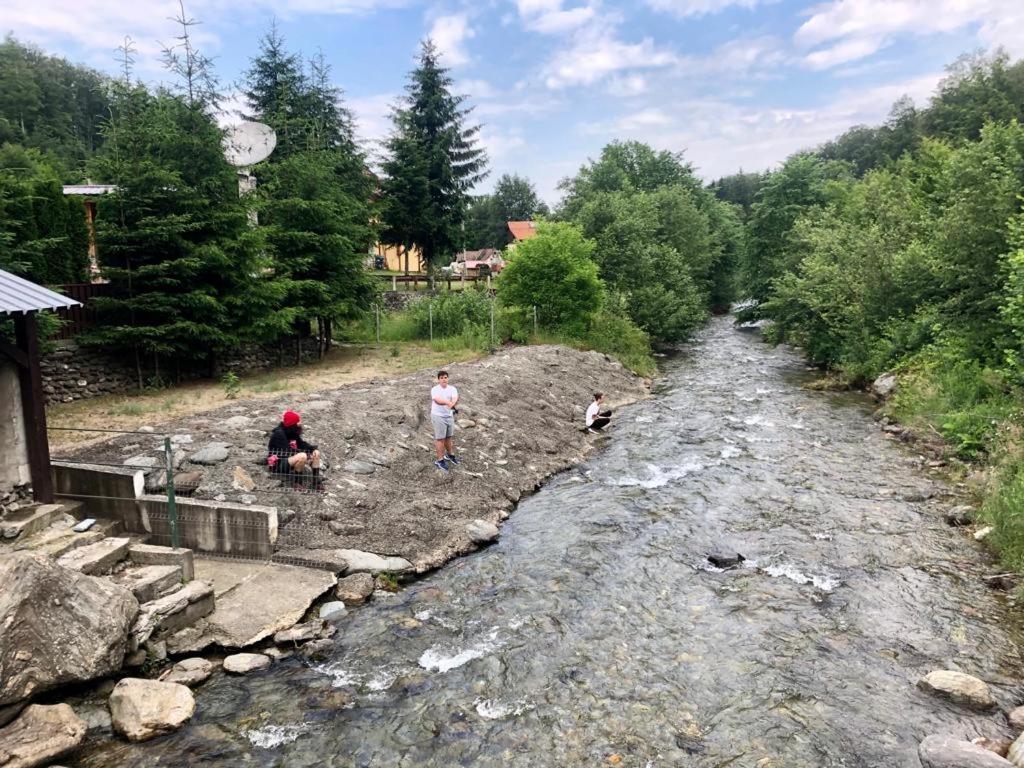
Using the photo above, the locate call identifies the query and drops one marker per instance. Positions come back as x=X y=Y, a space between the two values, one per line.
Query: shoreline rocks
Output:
x=958 y=688
x=143 y=709
x=40 y=735
x=244 y=663
x=950 y=752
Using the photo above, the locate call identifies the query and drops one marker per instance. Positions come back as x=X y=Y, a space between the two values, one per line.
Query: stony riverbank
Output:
x=520 y=421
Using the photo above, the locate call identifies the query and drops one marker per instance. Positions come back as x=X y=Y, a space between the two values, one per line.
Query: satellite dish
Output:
x=246 y=144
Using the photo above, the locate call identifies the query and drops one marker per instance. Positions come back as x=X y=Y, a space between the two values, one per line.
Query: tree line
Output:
x=901 y=247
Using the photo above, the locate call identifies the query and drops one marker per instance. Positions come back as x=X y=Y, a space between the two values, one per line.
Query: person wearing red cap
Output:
x=288 y=454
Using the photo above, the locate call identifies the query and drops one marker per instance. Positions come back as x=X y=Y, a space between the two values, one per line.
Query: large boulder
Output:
x=40 y=735
x=142 y=709
x=57 y=626
x=950 y=752
x=958 y=687
x=885 y=386
x=354 y=589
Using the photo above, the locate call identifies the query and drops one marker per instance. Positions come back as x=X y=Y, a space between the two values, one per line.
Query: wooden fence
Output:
x=412 y=282
x=77 y=319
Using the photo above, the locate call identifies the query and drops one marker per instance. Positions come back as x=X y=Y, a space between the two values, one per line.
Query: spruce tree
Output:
x=174 y=238
x=432 y=162
x=314 y=192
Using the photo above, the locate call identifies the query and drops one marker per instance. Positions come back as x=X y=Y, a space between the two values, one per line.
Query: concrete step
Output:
x=28 y=520
x=173 y=612
x=150 y=582
x=98 y=558
x=153 y=554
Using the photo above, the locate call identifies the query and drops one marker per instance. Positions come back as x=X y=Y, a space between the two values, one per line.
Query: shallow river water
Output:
x=594 y=632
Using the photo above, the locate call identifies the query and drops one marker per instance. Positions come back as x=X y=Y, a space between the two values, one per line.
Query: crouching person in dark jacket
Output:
x=288 y=454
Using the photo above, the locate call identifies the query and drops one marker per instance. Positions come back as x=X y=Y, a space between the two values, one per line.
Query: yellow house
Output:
x=397 y=259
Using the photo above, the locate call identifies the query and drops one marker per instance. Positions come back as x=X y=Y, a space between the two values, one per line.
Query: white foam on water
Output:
x=382 y=679
x=823 y=536
x=423 y=616
x=272 y=736
x=730 y=452
x=757 y=420
x=444 y=661
x=825 y=583
x=658 y=477
x=489 y=709
x=340 y=677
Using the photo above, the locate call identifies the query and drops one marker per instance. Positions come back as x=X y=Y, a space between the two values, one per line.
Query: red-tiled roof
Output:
x=523 y=230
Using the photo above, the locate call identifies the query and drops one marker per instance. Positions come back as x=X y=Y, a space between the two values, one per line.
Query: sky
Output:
x=733 y=84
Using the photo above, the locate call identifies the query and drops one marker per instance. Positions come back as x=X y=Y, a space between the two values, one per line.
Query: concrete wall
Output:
x=221 y=527
x=14 y=469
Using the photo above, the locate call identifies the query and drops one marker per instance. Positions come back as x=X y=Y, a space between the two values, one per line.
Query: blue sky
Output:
x=733 y=83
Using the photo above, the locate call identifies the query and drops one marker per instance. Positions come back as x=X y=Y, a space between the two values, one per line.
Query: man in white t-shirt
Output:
x=596 y=418
x=443 y=399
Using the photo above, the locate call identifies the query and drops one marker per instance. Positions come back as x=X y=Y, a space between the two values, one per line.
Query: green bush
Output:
x=553 y=272
x=1004 y=510
x=452 y=311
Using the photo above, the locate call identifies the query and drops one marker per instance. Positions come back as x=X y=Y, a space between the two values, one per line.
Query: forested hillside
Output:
x=902 y=247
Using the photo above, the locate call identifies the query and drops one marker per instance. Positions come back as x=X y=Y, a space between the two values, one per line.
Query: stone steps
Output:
x=173 y=612
x=150 y=582
x=153 y=554
x=98 y=558
x=26 y=521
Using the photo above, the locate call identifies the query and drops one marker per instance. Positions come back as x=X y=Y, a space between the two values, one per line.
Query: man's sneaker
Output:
x=452 y=459
x=441 y=465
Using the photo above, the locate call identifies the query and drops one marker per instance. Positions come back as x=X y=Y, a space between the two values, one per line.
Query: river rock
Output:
x=885 y=386
x=188 y=672
x=725 y=558
x=1015 y=754
x=241 y=481
x=211 y=453
x=367 y=562
x=299 y=633
x=142 y=709
x=982 y=533
x=354 y=589
x=244 y=663
x=1016 y=718
x=333 y=611
x=142 y=462
x=57 y=626
x=40 y=735
x=357 y=467
x=481 y=531
x=316 y=649
x=950 y=752
x=237 y=422
x=959 y=515
x=1000 y=747
x=958 y=688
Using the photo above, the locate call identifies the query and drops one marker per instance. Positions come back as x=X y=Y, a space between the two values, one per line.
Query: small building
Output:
x=90 y=194
x=522 y=230
x=396 y=258
x=471 y=262
x=25 y=454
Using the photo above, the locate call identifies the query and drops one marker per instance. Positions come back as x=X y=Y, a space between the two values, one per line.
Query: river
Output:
x=594 y=632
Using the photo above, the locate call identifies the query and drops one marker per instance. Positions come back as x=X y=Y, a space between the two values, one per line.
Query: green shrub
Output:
x=1004 y=510
x=553 y=272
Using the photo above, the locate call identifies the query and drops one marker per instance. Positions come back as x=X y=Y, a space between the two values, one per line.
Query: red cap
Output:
x=290 y=418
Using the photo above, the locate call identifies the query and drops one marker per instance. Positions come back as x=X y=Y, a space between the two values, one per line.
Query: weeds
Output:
x=232 y=385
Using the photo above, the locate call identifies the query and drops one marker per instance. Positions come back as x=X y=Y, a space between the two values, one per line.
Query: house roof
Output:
x=20 y=295
x=480 y=255
x=88 y=190
x=522 y=230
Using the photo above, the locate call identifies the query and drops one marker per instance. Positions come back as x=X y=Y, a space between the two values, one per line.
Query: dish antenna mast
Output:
x=246 y=144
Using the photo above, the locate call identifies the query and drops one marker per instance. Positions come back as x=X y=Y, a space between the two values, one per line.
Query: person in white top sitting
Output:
x=443 y=399
x=596 y=418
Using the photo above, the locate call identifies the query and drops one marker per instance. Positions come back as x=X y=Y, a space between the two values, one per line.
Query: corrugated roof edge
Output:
x=20 y=295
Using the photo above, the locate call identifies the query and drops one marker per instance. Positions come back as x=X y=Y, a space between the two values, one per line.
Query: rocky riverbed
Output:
x=520 y=421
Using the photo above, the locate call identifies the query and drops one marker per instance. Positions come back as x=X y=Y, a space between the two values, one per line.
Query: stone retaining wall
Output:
x=74 y=372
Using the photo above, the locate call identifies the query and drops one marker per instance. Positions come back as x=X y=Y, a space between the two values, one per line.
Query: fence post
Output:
x=534 y=319
x=394 y=283
x=430 y=313
x=172 y=506
x=492 y=321
x=376 y=314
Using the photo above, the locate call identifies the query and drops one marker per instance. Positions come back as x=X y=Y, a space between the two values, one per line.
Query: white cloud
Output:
x=373 y=119
x=687 y=8
x=475 y=89
x=720 y=137
x=596 y=53
x=450 y=33
x=627 y=85
x=842 y=31
x=549 y=18
x=98 y=27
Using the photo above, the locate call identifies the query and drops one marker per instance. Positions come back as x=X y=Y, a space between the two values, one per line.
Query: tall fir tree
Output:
x=314 y=191
x=433 y=160
x=173 y=238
